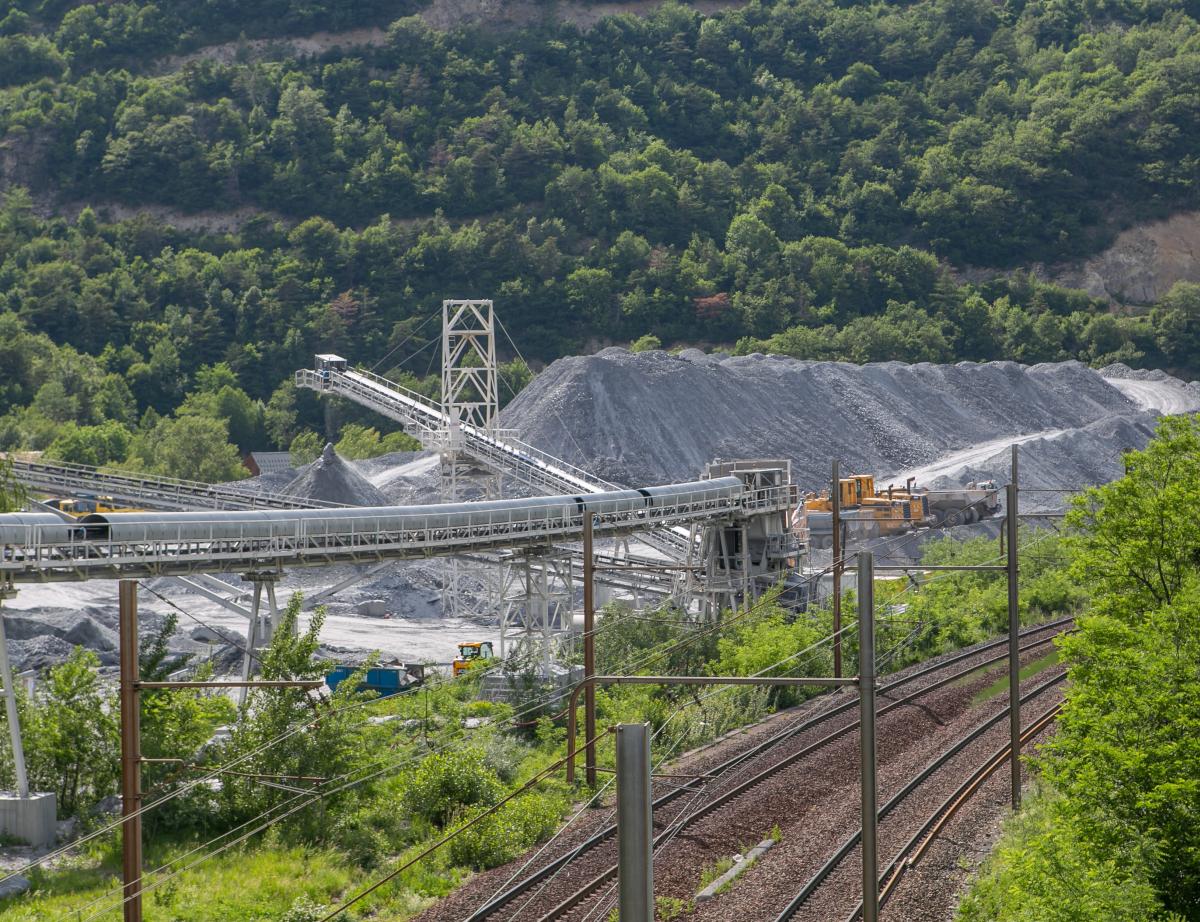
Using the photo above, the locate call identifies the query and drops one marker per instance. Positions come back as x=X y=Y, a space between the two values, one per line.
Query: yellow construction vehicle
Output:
x=471 y=653
x=87 y=504
x=865 y=511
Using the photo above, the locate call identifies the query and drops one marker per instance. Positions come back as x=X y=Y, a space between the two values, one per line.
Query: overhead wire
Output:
x=326 y=791
x=409 y=338
x=653 y=656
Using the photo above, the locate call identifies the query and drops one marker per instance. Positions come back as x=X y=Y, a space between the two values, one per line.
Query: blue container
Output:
x=384 y=680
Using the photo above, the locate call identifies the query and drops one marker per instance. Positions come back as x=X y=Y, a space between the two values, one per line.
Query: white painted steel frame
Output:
x=37 y=550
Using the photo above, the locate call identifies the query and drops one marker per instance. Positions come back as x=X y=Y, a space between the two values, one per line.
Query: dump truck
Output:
x=470 y=653
x=969 y=504
x=868 y=512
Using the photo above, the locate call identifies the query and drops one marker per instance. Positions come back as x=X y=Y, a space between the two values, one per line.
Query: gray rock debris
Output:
x=332 y=480
x=653 y=417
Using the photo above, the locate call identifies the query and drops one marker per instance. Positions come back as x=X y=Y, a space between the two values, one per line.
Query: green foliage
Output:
x=507 y=833
x=175 y=724
x=444 y=783
x=329 y=747
x=667 y=908
x=191 y=447
x=359 y=442
x=754 y=648
x=70 y=735
x=1117 y=837
x=107 y=443
x=709 y=183
x=1139 y=540
x=305 y=448
x=304 y=910
x=646 y=343
x=13 y=494
x=1045 y=868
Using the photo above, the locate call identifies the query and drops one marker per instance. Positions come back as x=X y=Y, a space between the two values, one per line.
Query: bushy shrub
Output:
x=445 y=782
x=506 y=833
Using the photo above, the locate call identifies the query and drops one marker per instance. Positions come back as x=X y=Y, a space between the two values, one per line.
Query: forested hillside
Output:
x=794 y=175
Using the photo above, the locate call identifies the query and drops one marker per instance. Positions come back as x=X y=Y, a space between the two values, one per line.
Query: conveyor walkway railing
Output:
x=148 y=544
x=499 y=450
x=150 y=491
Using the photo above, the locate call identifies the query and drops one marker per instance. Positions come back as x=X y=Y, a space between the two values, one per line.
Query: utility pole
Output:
x=131 y=754
x=10 y=705
x=589 y=648
x=1014 y=628
x=866 y=700
x=635 y=828
x=835 y=496
x=131 y=686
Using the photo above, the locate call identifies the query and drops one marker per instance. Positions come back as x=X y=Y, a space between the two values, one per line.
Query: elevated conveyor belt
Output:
x=423 y=418
x=151 y=492
x=42 y=548
x=499 y=450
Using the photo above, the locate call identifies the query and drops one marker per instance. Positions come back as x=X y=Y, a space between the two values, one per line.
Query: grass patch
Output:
x=1000 y=686
x=709 y=874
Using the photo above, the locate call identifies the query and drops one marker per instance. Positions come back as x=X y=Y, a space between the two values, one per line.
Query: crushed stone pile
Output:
x=654 y=417
x=1070 y=460
x=42 y=640
x=1121 y=372
x=331 y=479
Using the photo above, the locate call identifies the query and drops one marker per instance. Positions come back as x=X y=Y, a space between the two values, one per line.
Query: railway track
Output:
x=571 y=885
x=899 y=864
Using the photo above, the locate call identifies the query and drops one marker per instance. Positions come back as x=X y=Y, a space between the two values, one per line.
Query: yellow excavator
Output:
x=471 y=653
x=87 y=504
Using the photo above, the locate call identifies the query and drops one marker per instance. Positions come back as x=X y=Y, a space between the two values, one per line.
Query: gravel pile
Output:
x=1121 y=372
x=1073 y=459
x=333 y=480
x=653 y=417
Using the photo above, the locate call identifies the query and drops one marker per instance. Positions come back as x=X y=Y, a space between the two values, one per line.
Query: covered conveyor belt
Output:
x=43 y=548
x=497 y=449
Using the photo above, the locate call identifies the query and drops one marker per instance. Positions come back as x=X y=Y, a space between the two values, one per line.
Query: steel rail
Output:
x=915 y=848
x=920 y=778
x=743 y=787
x=552 y=867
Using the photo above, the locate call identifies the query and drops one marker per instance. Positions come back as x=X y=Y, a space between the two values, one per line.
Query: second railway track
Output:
x=706 y=821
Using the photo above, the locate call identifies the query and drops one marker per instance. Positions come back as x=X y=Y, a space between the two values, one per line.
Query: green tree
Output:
x=13 y=494
x=107 y=443
x=329 y=746
x=190 y=447
x=70 y=734
x=305 y=448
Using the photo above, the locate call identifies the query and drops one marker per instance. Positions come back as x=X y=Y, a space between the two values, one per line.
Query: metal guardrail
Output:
x=48 y=556
x=152 y=491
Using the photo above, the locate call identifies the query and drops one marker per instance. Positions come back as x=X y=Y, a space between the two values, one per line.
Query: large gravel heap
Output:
x=332 y=480
x=653 y=417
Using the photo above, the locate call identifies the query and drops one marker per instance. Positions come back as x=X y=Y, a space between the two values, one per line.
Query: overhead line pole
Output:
x=131 y=741
x=589 y=648
x=635 y=824
x=866 y=699
x=131 y=753
x=1014 y=628
x=835 y=496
